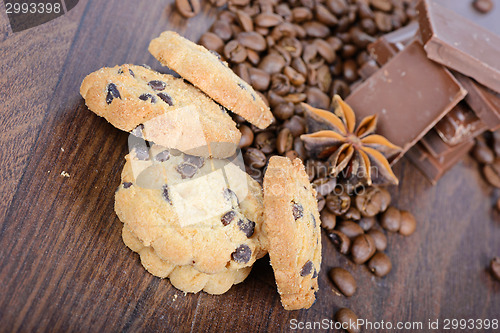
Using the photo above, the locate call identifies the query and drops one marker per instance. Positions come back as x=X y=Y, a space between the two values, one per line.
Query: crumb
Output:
x=64 y=174
x=175 y=297
x=62 y=149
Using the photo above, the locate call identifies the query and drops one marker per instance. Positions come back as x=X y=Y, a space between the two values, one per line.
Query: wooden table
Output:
x=63 y=265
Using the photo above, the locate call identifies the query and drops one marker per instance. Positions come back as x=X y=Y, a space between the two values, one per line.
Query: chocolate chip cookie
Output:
x=292 y=226
x=190 y=210
x=166 y=110
x=205 y=70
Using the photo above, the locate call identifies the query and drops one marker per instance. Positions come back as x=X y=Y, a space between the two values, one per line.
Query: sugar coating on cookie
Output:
x=166 y=109
x=190 y=210
x=292 y=227
x=205 y=70
x=185 y=278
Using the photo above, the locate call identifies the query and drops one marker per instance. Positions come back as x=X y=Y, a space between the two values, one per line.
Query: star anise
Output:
x=353 y=153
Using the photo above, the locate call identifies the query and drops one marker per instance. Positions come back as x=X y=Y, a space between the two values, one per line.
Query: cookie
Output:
x=165 y=109
x=190 y=210
x=292 y=226
x=185 y=278
x=205 y=70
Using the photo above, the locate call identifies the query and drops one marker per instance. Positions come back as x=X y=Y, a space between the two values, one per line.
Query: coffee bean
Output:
x=188 y=8
x=350 y=70
x=243 y=72
x=259 y=79
x=366 y=223
x=496 y=143
x=218 y=3
x=483 y=6
x=368 y=26
x=340 y=241
x=317 y=98
x=391 y=219
x=296 y=125
x=328 y=220
x=482 y=153
x=301 y=14
x=268 y=20
x=212 y=42
x=321 y=202
x=254 y=158
x=491 y=174
x=228 y=217
x=385 y=198
x=340 y=88
x=323 y=15
x=352 y=214
x=272 y=63
x=379 y=238
x=226 y=16
x=349 y=228
x=380 y=264
x=325 y=50
x=280 y=84
x=284 y=142
x=338 y=204
x=369 y=202
x=360 y=38
x=362 y=249
x=292 y=154
x=252 y=40
x=298 y=146
x=235 y=52
x=338 y=7
x=284 y=11
x=495 y=268
x=348 y=51
x=383 y=21
x=245 y=20
x=343 y=280
x=316 y=29
x=383 y=5
x=324 y=186
x=291 y=46
x=246 y=136
x=348 y=319
x=408 y=223
x=242 y=254
x=246 y=226
x=297 y=210
x=324 y=80
x=222 y=29
x=265 y=141
x=112 y=92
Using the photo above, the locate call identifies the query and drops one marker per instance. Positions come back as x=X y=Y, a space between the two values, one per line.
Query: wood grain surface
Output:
x=63 y=266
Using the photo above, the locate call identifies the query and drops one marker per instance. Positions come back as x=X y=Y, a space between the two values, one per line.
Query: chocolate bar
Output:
x=458 y=43
x=433 y=168
x=489 y=21
x=410 y=94
x=388 y=45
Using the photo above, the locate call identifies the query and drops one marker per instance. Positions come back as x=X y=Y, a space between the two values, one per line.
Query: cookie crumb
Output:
x=64 y=174
x=175 y=297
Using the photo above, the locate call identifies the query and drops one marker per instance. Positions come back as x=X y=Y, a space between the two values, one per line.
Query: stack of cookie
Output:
x=188 y=208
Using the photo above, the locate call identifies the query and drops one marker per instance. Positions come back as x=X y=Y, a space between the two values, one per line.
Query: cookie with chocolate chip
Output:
x=185 y=278
x=161 y=108
x=292 y=228
x=206 y=71
x=191 y=210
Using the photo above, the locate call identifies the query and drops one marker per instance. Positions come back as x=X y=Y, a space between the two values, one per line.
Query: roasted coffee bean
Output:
x=491 y=173
x=352 y=214
x=383 y=21
x=282 y=51
x=291 y=45
x=323 y=15
x=408 y=223
x=348 y=319
x=385 y=198
x=324 y=79
x=242 y=254
x=243 y=72
x=317 y=98
x=495 y=268
x=252 y=40
x=340 y=88
x=228 y=217
x=284 y=141
x=240 y=3
x=253 y=57
x=292 y=154
x=246 y=226
x=366 y=223
x=343 y=281
x=496 y=143
x=351 y=70
x=212 y=42
x=369 y=202
x=362 y=249
x=483 y=6
x=316 y=29
x=324 y=186
x=265 y=141
x=368 y=26
x=222 y=29
x=337 y=7
x=259 y=78
x=338 y=204
x=296 y=125
x=218 y=3
x=340 y=240
x=350 y=229
x=254 y=158
x=297 y=210
x=157 y=85
x=379 y=238
x=226 y=16
x=235 y=52
x=112 y=92
x=283 y=111
x=325 y=50
x=321 y=202
x=285 y=29
x=482 y=153
x=383 y=5
x=380 y=264
x=328 y=220
x=188 y=8
x=162 y=156
x=284 y=11
x=245 y=20
x=280 y=84
x=360 y=38
x=301 y=14
x=391 y=219
x=246 y=136
x=272 y=63
x=348 y=51
x=267 y=20
x=298 y=146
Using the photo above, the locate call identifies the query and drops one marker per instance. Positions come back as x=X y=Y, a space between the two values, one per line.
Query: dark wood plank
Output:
x=64 y=267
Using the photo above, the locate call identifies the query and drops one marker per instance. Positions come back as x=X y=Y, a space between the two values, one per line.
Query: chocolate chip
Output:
x=307 y=268
x=314 y=221
x=187 y=170
x=242 y=254
x=142 y=153
x=241 y=86
x=145 y=97
x=194 y=160
x=165 y=194
x=230 y=196
x=215 y=53
x=246 y=226
x=163 y=156
x=127 y=184
x=112 y=93
x=120 y=70
x=228 y=217
x=315 y=274
x=157 y=84
x=166 y=98
x=131 y=73
x=297 y=211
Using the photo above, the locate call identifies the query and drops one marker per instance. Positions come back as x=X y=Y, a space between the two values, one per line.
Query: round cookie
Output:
x=206 y=213
x=185 y=278
x=165 y=109
x=292 y=226
x=206 y=71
